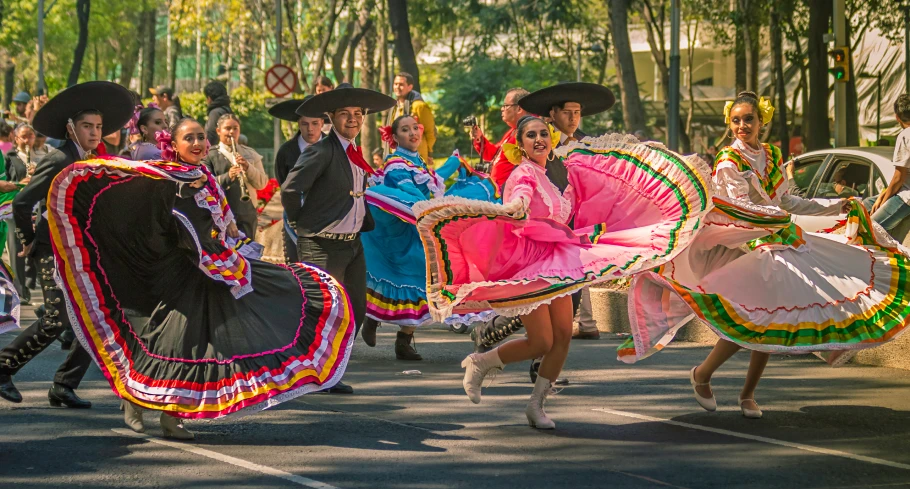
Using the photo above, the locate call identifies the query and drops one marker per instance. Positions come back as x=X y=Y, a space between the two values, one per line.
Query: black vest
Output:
x=323 y=180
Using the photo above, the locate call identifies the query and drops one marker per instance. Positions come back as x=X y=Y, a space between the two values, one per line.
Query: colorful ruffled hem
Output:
x=824 y=298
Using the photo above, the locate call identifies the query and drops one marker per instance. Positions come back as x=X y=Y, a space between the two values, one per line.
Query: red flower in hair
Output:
x=165 y=144
x=386 y=133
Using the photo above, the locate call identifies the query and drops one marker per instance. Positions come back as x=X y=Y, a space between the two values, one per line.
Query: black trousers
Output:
x=290 y=247
x=344 y=261
x=19 y=265
x=42 y=333
x=247 y=225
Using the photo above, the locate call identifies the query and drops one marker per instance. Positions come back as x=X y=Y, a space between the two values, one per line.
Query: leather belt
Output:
x=338 y=237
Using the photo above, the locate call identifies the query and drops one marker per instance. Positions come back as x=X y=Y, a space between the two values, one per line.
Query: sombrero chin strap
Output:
x=75 y=139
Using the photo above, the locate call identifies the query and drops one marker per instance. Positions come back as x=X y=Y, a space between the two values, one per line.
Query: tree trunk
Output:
x=633 y=110
x=9 y=81
x=341 y=48
x=128 y=60
x=172 y=48
x=815 y=116
x=303 y=86
x=385 y=81
x=404 y=49
x=780 y=89
x=83 y=10
x=326 y=39
x=147 y=77
x=197 y=75
x=739 y=48
x=364 y=26
x=852 y=116
x=246 y=57
x=368 y=79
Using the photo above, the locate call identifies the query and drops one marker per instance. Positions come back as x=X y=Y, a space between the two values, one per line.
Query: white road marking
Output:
x=762 y=439
x=262 y=469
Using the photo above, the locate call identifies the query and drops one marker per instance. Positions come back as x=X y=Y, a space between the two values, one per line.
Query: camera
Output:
x=469 y=121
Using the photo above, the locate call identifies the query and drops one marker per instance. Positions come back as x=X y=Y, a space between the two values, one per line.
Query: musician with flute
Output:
x=239 y=171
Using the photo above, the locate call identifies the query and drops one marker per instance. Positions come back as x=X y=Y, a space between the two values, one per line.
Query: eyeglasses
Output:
x=506 y=106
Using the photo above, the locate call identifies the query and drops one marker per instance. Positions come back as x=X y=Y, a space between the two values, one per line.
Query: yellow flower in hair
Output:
x=766 y=110
x=512 y=153
x=727 y=108
x=554 y=135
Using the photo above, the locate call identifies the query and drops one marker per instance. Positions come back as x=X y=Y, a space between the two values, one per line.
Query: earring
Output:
x=551 y=156
x=524 y=154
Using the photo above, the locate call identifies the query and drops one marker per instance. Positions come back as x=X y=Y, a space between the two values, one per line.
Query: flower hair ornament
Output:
x=133 y=124
x=166 y=145
x=765 y=110
x=385 y=133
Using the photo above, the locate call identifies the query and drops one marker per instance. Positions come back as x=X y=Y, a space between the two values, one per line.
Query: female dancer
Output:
x=634 y=206
x=146 y=123
x=822 y=292
x=396 y=264
x=177 y=321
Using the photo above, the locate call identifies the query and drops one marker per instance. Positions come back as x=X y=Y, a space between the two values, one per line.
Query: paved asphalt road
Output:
x=618 y=426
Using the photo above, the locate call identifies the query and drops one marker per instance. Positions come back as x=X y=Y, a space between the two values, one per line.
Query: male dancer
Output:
x=565 y=104
x=309 y=131
x=81 y=114
x=323 y=193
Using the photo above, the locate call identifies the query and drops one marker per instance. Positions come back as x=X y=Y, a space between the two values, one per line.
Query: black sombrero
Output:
x=287 y=110
x=115 y=103
x=593 y=98
x=345 y=95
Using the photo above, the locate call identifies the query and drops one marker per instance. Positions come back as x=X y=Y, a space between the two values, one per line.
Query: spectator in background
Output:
x=510 y=112
x=6 y=137
x=323 y=84
x=40 y=148
x=164 y=97
x=20 y=103
x=219 y=104
x=377 y=158
x=410 y=102
x=891 y=206
x=796 y=146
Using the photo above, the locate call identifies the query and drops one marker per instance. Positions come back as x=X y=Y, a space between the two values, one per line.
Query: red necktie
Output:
x=355 y=154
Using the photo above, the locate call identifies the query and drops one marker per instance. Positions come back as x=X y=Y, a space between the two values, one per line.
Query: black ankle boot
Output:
x=61 y=395
x=403 y=348
x=8 y=390
x=368 y=332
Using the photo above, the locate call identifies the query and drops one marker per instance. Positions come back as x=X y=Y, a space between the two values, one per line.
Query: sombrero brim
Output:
x=286 y=111
x=113 y=101
x=593 y=98
x=370 y=100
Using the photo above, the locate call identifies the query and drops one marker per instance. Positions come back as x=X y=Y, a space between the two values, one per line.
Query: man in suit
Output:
x=309 y=131
x=81 y=114
x=324 y=192
x=564 y=104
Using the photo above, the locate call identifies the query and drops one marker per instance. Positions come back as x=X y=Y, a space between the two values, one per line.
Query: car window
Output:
x=845 y=177
x=804 y=170
x=878 y=184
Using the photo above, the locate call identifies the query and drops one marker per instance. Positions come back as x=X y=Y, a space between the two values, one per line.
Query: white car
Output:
x=829 y=175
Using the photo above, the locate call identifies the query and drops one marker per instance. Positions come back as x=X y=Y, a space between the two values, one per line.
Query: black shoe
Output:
x=9 y=391
x=477 y=338
x=61 y=395
x=535 y=366
x=339 y=388
x=403 y=348
x=368 y=332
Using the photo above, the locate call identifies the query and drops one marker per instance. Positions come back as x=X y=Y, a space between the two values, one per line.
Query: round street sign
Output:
x=280 y=80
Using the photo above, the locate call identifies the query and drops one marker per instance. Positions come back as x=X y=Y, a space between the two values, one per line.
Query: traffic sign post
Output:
x=280 y=80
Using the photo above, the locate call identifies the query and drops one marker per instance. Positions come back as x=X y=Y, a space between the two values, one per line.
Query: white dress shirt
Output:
x=353 y=221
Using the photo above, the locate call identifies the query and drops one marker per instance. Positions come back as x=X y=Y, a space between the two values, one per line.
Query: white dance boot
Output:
x=132 y=416
x=172 y=428
x=477 y=366
x=537 y=418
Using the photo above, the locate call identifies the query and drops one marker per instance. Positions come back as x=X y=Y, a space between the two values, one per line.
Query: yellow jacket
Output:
x=424 y=115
